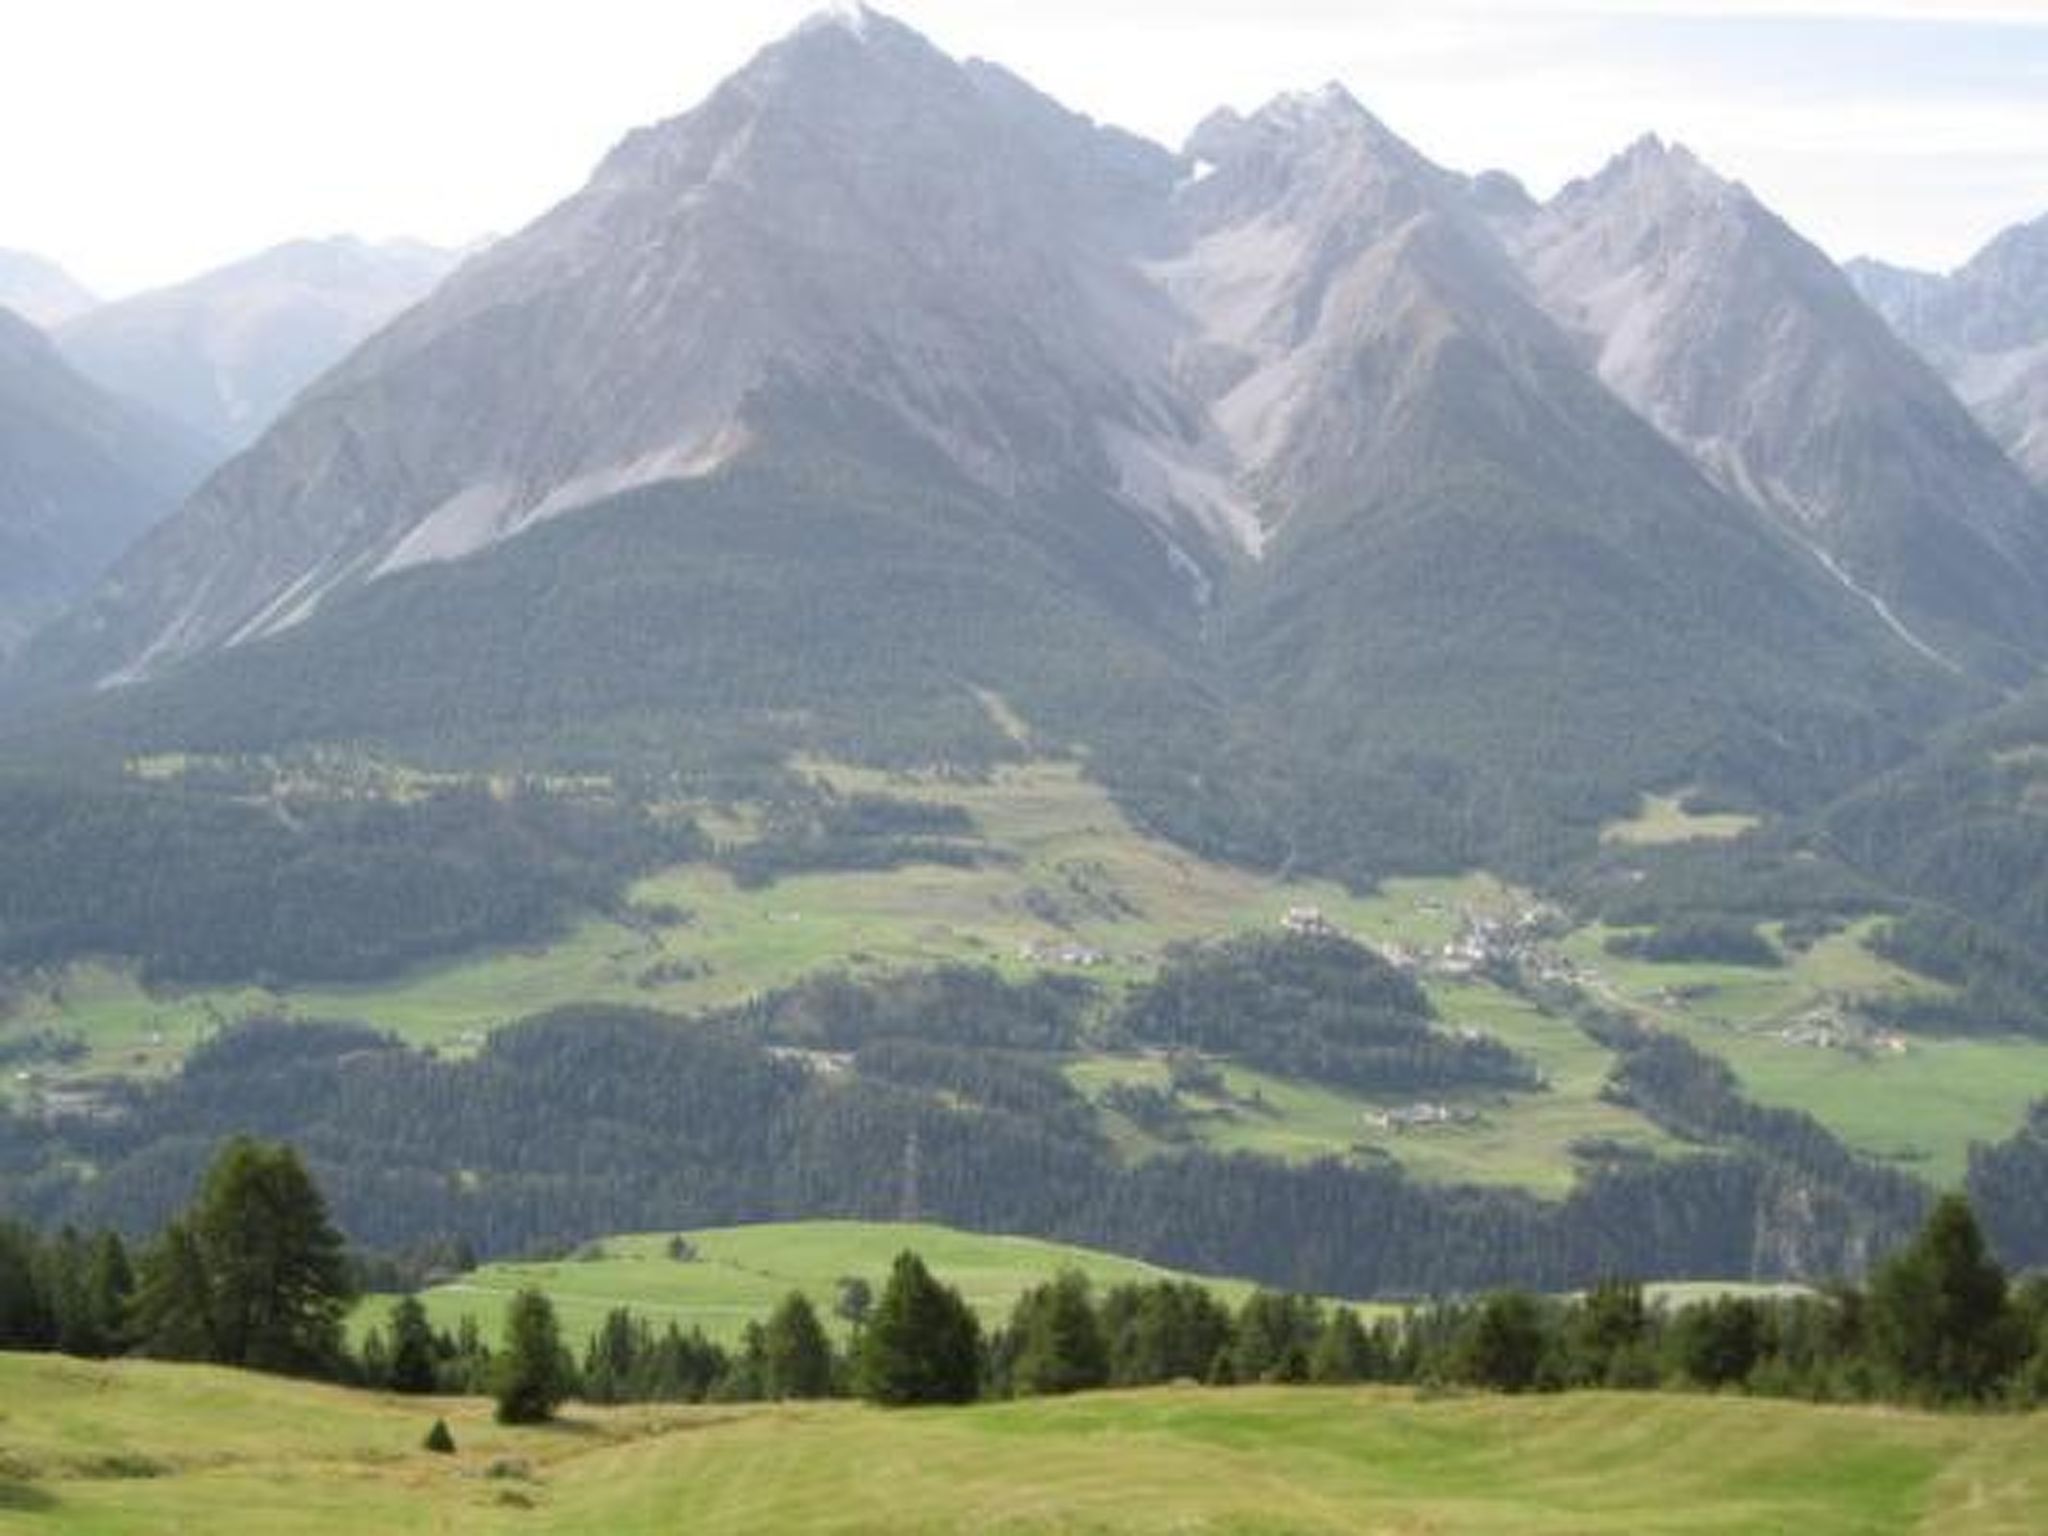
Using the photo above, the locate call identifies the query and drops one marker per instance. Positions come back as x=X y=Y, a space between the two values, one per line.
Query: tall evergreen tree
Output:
x=1607 y=1335
x=533 y=1373
x=1058 y=1339
x=412 y=1360
x=796 y=1356
x=274 y=1266
x=1720 y=1342
x=1168 y=1331
x=1344 y=1353
x=1941 y=1315
x=1504 y=1343
x=24 y=1321
x=922 y=1343
x=171 y=1316
x=1275 y=1335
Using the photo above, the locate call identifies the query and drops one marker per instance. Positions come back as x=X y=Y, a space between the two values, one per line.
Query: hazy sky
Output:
x=143 y=140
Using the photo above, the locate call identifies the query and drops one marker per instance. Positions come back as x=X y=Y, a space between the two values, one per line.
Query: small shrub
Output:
x=438 y=1440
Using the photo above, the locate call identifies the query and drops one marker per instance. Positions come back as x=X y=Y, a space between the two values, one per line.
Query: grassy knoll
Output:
x=740 y=1273
x=1921 y=1107
x=136 y=1447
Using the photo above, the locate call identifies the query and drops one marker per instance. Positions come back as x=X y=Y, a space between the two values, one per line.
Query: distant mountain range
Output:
x=81 y=475
x=1336 y=501
x=40 y=291
x=1985 y=326
x=224 y=353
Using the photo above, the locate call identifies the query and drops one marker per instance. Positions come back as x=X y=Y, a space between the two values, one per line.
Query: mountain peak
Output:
x=1652 y=158
x=1329 y=102
x=845 y=16
x=850 y=21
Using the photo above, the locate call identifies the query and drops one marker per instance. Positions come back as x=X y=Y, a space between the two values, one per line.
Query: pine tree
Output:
x=533 y=1375
x=1941 y=1315
x=25 y=1322
x=109 y=1287
x=1504 y=1343
x=1058 y=1339
x=1344 y=1353
x=171 y=1315
x=796 y=1354
x=922 y=1344
x=1719 y=1342
x=1275 y=1333
x=1608 y=1333
x=438 y=1440
x=412 y=1359
x=273 y=1265
x=616 y=1358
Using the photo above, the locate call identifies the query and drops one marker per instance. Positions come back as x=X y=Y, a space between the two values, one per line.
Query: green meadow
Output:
x=127 y=1448
x=1917 y=1101
x=737 y=1275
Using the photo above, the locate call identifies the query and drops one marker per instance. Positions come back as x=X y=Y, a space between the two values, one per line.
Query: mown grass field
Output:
x=130 y=1448
x=739 y=1274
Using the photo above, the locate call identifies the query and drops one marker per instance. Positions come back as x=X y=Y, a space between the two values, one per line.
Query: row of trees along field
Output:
x=254 y=1274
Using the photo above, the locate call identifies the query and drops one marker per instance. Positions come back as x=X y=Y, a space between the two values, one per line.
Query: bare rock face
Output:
x=81 y=474
x=1296 y=368
x=1985 y=327
x=1743 y=345
x=224 y=353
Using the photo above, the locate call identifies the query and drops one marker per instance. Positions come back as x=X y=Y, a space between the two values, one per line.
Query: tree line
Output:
x=597 y=1120
x=254 y=1274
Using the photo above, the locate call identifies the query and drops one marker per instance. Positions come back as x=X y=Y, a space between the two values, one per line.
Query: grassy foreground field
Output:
x=739 y=1274
x=134 y=1448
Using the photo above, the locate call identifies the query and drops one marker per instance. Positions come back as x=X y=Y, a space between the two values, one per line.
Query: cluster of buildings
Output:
x=1420 y=1116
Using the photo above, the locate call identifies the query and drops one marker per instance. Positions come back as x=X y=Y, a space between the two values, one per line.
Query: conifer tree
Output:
x=1344 y=1353
x=1058 y=1339
x=796 y=1356
x=412 y=1362
x=171 y=1315
x=273 y=1267
x=922 y=1344
x=1941 y=1314
x=533 y=1374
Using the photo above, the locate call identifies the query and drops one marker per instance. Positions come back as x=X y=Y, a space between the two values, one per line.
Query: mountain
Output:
x=224 y=353
x=879 y=383
x=896 y=291
x=81 y=474
x=40 y=291
x=1747 y=348
x=1985 y=326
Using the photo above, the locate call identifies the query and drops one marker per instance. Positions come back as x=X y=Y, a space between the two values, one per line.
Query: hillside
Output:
x=737 y=1275
x=138 y=1448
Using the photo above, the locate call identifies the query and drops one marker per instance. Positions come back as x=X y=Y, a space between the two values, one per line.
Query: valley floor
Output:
x=137 y=1447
